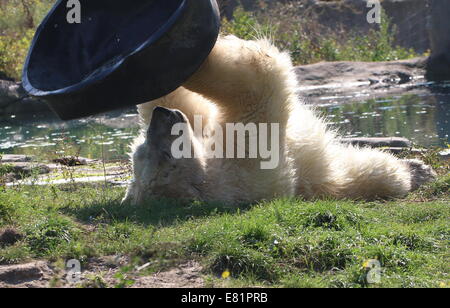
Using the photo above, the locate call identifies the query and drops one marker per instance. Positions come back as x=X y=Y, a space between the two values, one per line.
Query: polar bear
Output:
x=253 y=82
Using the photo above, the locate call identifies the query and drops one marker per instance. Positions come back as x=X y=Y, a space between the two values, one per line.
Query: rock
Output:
x=394 y=142
x=23 y=273
x=374 y=79
x=9 y=237
x=421 y=173
x=118 y=183
x=394 y=150
x=438 y=66
x=9 y=92
x=393 y=145
x=72 y=161
x=346 y=72
x=445 y=155
x=22 y=170
x=14 y=100
x=9 y=158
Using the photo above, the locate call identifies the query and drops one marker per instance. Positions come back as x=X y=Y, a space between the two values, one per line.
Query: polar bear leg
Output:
x=190 y=103
x=370 y=173
x=250 y=80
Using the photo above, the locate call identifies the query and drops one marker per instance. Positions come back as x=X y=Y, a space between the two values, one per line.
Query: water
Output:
x=422 y=117
x=46 y=136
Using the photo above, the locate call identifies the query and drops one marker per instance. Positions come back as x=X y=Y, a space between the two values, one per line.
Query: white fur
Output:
x=253 y=82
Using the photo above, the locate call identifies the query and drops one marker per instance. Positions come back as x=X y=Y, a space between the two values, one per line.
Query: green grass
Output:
x=284 y=243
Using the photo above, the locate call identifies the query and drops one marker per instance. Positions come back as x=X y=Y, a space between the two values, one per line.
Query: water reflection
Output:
x=423 y=118
x=442 y=97
x=106 y=136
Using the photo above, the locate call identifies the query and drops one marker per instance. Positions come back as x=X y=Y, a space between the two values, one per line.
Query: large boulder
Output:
x=10 y=92
x=439 y=62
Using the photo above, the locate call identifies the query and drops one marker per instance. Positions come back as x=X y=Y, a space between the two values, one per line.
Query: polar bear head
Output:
x=157 y=173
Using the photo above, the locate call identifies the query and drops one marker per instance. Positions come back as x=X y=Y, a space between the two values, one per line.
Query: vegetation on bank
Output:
x=306 y=40
x=282 y=243
x=309 y=42
x=18 y=21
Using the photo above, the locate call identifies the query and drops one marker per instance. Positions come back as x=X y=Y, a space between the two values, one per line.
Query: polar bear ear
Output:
x=163 y=120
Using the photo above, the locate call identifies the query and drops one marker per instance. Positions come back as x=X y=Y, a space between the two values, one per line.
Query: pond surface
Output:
x=421 y=117
x=48 y=137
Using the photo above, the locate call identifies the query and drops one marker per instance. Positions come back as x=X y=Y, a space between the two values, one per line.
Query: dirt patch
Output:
x=187 y=275
x=103 y=272
x=106 y=272
x=31 y=275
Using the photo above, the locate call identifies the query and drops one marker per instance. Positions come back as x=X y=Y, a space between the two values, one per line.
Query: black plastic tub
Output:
x=122 y=53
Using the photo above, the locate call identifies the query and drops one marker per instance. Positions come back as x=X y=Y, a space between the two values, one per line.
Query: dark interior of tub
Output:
x=66 y=54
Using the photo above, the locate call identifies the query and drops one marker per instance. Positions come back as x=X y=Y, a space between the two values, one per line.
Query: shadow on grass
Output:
x=157 y=212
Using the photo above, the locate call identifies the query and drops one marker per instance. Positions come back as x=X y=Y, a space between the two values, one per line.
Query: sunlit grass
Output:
x=288 y=243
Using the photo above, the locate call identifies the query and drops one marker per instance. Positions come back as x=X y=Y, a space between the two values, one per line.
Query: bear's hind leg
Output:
x=190 y=103
x=251 y=80
x=364 y=173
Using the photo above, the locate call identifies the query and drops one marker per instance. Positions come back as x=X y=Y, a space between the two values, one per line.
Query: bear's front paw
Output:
x=420 y=173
